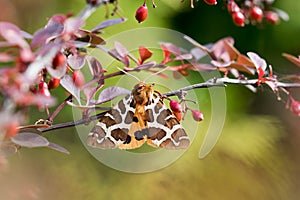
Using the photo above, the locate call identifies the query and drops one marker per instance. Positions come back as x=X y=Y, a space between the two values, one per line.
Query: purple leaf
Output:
x=72 y=25
x=172 y=48
x=44 y=57
x=283 y=15
x=12 y=34
x=30 y=140
x=257 y=60
x=183 y=57
x=204 y=67
x=95 y=67
x=91 y=91
x=108 y=23
x=8 y=149
x=68 y=83
x=58 y=148
x=198 y=53
x=117 y=56
x=76 y=61
x=111 y=93
x=121 y=50
x=42 y=100
x=221 y=64
x=5 y=57
x=44 y=35
x=147 y=65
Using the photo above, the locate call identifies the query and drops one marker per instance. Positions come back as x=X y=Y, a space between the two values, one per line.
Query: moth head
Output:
x=142 y=92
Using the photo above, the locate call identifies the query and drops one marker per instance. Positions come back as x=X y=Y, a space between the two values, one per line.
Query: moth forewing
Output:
x=139 y=117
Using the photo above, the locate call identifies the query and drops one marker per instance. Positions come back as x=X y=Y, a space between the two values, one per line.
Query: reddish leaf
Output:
x=242 y=68
x=221 y=47
x=145 y=53
x=244 y=60
x=30 y=140
x=292 y=58
x=89 y=38
x=261 y=73
x=166 y=53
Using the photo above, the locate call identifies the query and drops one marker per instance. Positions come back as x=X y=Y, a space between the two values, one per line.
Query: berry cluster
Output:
x=254 y=12
x=178 y=110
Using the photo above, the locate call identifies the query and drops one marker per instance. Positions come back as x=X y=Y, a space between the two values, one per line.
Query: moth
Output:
x=140 y=117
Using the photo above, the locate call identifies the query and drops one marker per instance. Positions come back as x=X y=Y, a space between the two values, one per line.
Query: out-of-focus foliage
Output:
x=256 y=157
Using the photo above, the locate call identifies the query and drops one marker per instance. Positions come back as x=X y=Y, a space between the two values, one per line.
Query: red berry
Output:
x=197 y=115
x=232 y=7
x=175 y=106
x=141 y=13
x=211 y=2
x=43 y=89
x=59 y=60
x=238 y=18
x=295 y=107
x=92 y=2
x=78 y=78
x=53 y=83
x=272 y=17
x=256 y=14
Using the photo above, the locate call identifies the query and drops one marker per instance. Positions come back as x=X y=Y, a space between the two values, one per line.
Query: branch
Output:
x=254 y=82
x=97 y=116
x=214 y=82
x=206 y=84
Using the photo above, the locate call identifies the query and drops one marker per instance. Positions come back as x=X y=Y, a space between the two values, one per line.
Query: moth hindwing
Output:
x=138 y=118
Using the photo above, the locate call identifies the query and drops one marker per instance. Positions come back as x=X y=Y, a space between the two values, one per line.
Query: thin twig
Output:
x=206 y=84
x=215 y=82
x=254 y=82
x=73 y=123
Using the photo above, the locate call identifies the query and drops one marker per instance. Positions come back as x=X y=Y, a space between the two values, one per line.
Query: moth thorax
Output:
x=142 y=93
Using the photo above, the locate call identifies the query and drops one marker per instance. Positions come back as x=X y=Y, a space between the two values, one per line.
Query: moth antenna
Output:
x=129 y=74
x=158 y=72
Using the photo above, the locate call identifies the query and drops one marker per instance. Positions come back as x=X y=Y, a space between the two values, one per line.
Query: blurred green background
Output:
x=257 y=156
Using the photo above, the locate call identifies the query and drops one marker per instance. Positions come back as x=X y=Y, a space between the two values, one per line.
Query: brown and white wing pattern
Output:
x=112 y=129
x=164 y=130
x=139 y=117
